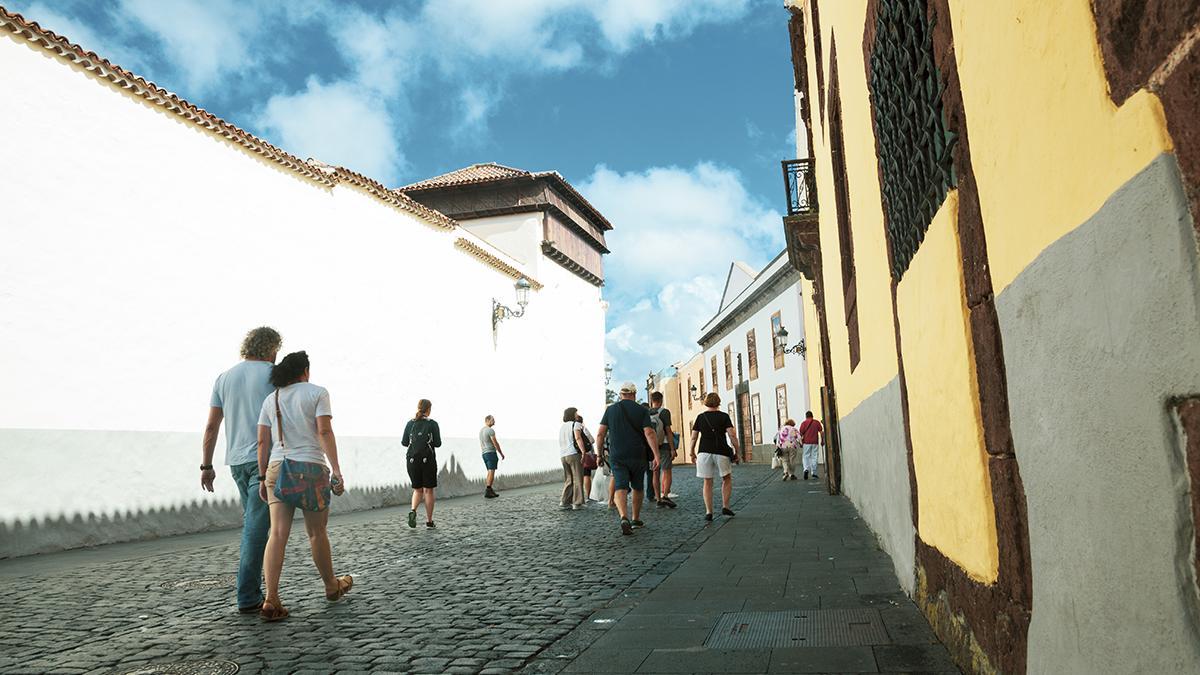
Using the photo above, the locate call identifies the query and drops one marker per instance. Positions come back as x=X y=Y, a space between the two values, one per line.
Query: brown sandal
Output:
x=270 y=613
x=345 y=583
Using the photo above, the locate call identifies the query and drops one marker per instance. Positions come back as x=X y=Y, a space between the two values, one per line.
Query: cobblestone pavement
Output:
x=796 y=583
x=496 y=583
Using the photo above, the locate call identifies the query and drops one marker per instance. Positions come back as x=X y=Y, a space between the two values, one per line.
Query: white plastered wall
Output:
x=138 y=249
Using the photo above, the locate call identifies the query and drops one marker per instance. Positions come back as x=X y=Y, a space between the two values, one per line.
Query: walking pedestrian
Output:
x=652 y=476
x=590 y=461
x=810 y=436
x=570 y=445
x=491 y=460
x=422 y=437
x=715 y=456
x=632 y=434
x=666 y=449
x=237 y=399
x=785 y=442
x=298 y=458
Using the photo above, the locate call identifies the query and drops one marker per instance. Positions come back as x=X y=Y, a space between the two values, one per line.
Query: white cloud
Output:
x=338 y=124
x=204 y=40
x=676 y=231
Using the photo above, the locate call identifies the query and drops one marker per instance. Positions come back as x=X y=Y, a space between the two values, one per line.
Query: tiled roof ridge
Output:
x=475 y=250
x=467 y=175
x=102 y=68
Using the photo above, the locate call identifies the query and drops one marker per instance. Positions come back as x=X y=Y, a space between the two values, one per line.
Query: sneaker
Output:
x=489 y=493
x=661 y=504
x=637 y=524
x=668 y=503
x=815 y=476
x=412 y=518
x=429 y=523
x=671 y=495
x=626 y=527
x=708 y=517
x=806 y=474
x=727 y=512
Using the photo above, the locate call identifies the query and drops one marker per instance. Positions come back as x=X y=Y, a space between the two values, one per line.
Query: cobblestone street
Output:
x=492 y=586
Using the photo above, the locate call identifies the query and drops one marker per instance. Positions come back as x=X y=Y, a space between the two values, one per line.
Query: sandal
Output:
x=344 y=584
x=270 y=613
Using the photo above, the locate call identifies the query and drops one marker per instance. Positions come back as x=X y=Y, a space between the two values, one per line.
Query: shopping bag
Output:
x=777 y=462
x=600 y=481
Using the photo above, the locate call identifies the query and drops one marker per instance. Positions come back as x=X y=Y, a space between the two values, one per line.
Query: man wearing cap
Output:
x=632 y=432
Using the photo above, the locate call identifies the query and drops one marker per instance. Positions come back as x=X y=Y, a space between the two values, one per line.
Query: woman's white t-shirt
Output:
x=300 y=405
x=566 y=439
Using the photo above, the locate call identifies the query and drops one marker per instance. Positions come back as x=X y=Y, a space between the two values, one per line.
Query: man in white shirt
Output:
x=237 y=399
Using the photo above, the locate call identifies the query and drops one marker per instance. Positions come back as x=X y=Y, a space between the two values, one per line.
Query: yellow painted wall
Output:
x=1075 y=147
x=954 y=495
x=692 y=368
x=878 y=365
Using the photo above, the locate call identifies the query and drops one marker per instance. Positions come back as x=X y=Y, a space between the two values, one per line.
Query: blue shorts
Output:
x=491 y=460
x=628 y=476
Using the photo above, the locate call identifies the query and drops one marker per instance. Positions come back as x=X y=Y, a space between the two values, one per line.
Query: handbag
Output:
x=303 y=485
x=589 y=461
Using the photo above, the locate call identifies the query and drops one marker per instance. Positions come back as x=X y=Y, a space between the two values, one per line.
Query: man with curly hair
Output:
x=237 y=399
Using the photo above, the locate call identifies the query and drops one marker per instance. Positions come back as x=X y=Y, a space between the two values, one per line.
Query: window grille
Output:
x=915 y=147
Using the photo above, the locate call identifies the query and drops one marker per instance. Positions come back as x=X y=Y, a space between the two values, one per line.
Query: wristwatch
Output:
x=206 y=467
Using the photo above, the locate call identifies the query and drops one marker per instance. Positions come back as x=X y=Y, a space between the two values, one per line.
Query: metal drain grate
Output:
x=210 y=667
x=209 y=582
x=799 y=628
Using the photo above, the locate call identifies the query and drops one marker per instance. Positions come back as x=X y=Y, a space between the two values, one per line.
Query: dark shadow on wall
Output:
x=79 y=530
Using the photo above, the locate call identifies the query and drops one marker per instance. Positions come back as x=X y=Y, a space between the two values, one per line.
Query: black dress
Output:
x=421 y=437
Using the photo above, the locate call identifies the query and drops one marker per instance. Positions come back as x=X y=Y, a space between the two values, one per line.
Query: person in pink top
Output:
x=810 y=436
x=787 y=441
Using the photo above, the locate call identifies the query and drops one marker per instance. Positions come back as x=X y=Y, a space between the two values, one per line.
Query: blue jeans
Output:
x=256 y=525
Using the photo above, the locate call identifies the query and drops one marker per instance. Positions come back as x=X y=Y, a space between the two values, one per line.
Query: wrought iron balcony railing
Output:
x=801 y=184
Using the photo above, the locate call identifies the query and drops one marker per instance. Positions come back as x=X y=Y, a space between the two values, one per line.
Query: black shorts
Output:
x=422 y=470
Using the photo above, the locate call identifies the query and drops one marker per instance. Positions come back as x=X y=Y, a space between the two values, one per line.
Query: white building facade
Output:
x=761 y=385
x=143 y=237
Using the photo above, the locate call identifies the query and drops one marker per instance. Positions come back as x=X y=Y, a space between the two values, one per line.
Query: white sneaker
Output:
x=672 y=495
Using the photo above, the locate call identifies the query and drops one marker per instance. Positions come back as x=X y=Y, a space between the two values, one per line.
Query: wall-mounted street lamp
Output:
x=607 y=374
x=781 y=344
x=649 y=385
x=501 y=312
x=695 y=392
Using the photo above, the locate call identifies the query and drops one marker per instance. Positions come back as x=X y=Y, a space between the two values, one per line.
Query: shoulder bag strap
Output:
x=279 y=420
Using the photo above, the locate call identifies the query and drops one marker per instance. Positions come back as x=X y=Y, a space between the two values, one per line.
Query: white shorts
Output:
x=709 y=465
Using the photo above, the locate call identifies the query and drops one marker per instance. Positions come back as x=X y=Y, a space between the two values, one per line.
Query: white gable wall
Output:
x=140 y=248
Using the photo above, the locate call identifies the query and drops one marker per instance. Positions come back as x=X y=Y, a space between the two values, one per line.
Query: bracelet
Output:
x=206 y=467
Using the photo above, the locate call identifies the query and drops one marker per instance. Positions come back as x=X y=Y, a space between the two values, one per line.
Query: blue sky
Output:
x=670 y=115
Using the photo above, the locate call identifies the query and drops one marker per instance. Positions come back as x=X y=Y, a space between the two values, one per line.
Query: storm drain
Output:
x=210 y=667
x=801 y=628
x=201 y=583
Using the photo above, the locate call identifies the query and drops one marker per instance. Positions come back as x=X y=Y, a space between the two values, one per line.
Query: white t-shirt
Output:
x=300 y=405
x=566 y=439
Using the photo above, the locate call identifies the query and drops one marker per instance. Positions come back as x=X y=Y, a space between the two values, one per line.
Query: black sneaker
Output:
x=429 y=523
x=489 y=493
x=726 y=512
x=626 y=527
x=806 y=474
x=412 y=518
x=668 y=503
x=637 y=524
x=661 y=505
x=815 y=476
x=708 y=516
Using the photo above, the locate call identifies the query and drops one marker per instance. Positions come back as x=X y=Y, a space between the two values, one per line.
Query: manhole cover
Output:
x=213 y=581
x=800 y=628
x=184 y=668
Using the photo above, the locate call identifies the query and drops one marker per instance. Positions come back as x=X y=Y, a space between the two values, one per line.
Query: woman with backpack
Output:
x=714 y=456
x=786 y=441
x=570 y=446
x=422 y=436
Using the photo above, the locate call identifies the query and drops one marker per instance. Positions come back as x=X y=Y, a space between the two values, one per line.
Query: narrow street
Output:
x=501 y=585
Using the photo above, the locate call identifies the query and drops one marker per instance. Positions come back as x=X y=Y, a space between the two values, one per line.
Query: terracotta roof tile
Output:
x=476 y=173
